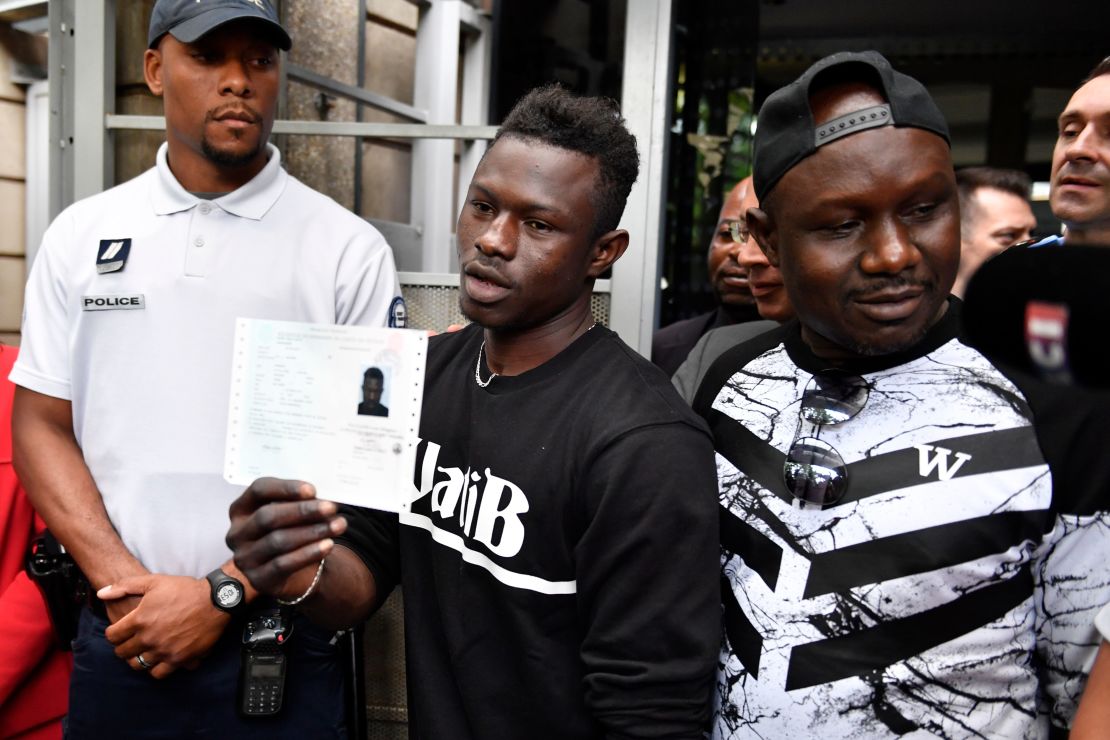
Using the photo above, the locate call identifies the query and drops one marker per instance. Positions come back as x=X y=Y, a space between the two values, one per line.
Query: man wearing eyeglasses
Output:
x=771 y=301
x=913 y=540
x=729 y=280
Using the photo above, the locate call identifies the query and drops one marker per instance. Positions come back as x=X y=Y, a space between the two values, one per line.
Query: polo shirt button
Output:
x=199 y=241
x=205 y=208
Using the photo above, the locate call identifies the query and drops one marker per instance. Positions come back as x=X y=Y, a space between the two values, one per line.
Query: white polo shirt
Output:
x=144 y=352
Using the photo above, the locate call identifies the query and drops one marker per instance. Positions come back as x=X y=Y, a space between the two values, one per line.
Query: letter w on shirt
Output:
x=938 y=461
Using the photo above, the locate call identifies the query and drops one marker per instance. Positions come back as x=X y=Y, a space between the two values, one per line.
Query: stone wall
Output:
x=325 y=41
x=134 y=150
x=390 y=64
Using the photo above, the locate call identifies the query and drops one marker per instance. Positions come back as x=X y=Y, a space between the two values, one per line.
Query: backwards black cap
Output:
x=786 y=133
x=188 y=20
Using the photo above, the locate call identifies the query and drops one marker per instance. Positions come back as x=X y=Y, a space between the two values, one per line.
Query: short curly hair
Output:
x=592 y=126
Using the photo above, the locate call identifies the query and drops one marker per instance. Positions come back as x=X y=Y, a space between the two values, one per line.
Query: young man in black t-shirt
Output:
x=558 y=549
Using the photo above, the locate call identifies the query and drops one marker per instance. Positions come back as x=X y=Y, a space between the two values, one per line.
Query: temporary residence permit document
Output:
x=336 y=406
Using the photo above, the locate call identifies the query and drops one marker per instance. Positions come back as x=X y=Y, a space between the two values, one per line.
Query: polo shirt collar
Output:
x=252 y=200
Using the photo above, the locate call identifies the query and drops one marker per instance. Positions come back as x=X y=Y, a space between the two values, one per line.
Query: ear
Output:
x=152 y=71
x=762 y=228
x=606 y=250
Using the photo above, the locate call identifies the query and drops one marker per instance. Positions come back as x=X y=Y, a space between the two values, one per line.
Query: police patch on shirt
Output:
x=398 y=316
x=113 y=302
x=112 y=255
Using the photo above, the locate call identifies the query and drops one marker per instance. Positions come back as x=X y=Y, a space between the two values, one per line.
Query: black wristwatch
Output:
x=228 y=594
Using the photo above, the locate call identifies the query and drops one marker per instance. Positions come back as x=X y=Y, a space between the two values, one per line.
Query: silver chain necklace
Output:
x=477 y=373
x=478 y=365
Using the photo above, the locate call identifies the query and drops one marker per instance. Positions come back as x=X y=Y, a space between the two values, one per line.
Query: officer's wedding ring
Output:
x=146 y=666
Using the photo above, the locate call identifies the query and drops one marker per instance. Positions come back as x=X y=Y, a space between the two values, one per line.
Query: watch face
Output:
x=228 y=595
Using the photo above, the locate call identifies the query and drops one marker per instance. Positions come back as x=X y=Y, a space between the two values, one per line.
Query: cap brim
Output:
x=195 y=28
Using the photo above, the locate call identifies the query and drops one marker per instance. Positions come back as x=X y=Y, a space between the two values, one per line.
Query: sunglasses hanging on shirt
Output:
x=815 y=472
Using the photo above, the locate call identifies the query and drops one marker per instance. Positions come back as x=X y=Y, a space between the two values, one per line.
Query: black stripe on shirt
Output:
x=876 y=648
x=748 y=453
x=919 y=551
x=760 y=554
x=993 y=451
x=743 y=637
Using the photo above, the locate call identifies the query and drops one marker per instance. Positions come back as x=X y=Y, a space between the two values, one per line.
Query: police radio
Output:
x=262 y=667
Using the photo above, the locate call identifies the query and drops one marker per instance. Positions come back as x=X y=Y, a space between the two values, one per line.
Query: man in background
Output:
x=1080 y=181
x=1080 y=198
x=771 y=300
x=729 y=280
x=994 y=215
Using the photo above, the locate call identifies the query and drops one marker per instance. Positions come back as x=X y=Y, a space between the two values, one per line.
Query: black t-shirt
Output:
x=372 y=409
x=559 y=554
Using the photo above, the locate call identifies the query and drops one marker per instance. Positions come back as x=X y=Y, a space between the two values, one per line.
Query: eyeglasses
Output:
x=735 y=231
x=814 y=472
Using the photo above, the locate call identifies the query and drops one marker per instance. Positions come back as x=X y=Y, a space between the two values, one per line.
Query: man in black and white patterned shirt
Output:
x=914 y=540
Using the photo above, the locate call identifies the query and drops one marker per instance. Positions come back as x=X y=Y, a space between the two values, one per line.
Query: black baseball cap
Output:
x=786 y=133
x=188 y=20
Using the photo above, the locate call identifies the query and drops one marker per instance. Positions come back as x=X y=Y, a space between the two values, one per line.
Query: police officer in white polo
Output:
x=124 y=378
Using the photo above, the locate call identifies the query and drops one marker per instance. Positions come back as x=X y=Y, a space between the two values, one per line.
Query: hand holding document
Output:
x=336 y=406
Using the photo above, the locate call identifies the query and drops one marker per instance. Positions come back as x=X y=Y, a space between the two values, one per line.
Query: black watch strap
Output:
x=228 y=594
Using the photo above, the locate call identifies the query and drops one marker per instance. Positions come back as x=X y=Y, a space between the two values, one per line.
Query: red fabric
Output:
x=34 y=675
